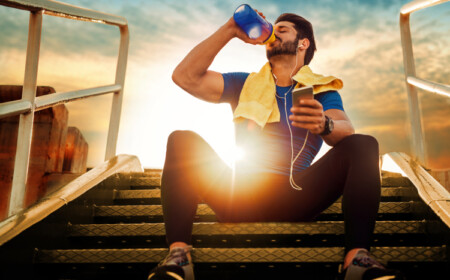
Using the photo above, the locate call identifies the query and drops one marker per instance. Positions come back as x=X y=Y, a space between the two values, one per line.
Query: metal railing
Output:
x=29 y=104
x=412 y=82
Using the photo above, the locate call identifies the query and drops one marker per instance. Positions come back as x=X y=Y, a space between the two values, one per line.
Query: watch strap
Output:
x=328 y=126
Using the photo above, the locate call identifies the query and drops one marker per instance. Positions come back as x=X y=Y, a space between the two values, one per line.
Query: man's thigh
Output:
x=270 y=197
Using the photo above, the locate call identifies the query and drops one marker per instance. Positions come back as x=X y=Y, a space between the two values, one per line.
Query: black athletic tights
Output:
x=194 y=173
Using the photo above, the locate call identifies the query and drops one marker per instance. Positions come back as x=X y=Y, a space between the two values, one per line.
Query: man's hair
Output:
x=304 y=30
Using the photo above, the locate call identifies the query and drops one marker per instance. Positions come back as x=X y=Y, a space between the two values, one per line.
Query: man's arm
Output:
x=310 y=115
x=342 y=127
x=192 y=73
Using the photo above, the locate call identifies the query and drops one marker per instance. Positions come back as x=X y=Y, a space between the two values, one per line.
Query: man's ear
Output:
x=303 y=44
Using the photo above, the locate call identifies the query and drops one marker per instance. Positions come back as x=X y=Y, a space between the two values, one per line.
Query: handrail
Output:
x=12 y=108
x=17 y=223
x=29 y=104
x=429 y=86
x=59 y=9
x=50 y=100
x=428 y=188
x=412 y=82
x=414 y=6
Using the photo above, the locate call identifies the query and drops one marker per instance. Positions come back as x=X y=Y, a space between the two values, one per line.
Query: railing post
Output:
x=116 y=107
x=26 y=120
x=418 y=141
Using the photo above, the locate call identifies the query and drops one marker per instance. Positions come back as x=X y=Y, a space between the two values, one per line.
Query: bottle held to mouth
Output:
x=254 y=25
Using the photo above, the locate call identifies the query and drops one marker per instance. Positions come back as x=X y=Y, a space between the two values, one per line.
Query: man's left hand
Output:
x=309 y=115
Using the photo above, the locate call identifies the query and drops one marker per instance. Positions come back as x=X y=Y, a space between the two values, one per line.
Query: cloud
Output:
x=358 y=41
x=368 y=57
x=13 y=27
x=58 y=34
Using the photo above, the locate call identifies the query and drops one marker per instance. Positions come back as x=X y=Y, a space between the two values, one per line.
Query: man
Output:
x=275 y=182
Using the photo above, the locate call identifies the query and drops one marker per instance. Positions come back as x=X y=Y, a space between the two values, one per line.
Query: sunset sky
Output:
x=357 y=41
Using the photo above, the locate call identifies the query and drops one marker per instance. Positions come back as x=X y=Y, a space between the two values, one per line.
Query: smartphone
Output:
x=301 y=93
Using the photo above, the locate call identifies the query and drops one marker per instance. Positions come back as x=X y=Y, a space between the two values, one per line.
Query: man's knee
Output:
x=362 y=140
x=178 y=137
x=361 y=144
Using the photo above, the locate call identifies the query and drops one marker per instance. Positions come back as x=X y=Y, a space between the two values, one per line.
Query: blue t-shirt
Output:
x=269 y=149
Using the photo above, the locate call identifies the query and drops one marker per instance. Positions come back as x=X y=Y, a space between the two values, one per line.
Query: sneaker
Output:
x=175 y=266
x=365 y=267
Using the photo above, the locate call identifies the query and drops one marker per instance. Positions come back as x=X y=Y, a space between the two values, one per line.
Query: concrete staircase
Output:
x=116 y=231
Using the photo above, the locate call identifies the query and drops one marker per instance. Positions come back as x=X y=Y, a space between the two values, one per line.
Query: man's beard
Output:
x=288 y=48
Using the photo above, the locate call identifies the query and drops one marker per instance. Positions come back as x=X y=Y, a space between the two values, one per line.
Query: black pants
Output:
x=194 y=173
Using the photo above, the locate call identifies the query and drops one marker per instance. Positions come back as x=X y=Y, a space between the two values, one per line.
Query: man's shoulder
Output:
x=233 y=84
x=330 y=100
x=239 y=76
x=234 y=80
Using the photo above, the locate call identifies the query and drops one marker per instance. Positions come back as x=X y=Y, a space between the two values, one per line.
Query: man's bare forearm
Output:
x=342 y=129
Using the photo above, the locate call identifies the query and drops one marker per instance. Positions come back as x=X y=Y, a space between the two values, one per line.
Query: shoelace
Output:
x=367 y=261
x=177 y=256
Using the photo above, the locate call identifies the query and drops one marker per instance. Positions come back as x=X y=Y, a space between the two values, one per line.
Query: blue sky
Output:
x=358 y=41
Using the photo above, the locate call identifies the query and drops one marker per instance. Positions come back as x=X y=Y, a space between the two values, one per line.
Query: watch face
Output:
x=330 y=124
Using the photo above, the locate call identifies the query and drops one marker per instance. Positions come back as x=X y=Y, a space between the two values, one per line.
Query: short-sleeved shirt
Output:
x=269 y=149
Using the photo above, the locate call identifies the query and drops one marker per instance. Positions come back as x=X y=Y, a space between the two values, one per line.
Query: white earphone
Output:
x=293 y=159
x=302 y=45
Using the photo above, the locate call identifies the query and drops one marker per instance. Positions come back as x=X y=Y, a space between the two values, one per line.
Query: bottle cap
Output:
x=271 y=38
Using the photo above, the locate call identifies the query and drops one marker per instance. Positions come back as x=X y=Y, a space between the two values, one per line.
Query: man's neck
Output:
x=283 y=68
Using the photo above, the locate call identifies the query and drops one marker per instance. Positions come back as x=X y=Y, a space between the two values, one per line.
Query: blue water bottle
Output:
x=254 y=25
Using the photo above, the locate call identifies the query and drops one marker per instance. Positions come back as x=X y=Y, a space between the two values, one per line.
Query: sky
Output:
x=357 y=41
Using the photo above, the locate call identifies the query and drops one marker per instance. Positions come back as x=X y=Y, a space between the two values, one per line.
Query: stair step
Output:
x=127 y=248
x=239 y=255
x=329 y=227
x=203 y=209
x=158 y=173
x=148 y=196
x=224 y=271
x=137 y=194
x=396 y=182
x=153 y=179
x=134 y=179
x=247 y=241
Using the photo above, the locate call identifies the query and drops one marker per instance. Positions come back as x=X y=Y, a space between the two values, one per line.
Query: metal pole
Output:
x=418 y=141
x=116 y=108
x=26 y=120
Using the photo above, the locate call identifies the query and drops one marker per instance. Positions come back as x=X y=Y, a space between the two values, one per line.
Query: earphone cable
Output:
x=291 y=169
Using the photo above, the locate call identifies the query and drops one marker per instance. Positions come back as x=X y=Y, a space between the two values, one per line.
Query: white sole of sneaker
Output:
x=174 y=275
x=385 y=278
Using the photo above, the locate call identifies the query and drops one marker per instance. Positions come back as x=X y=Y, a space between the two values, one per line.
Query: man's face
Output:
x=286 y=42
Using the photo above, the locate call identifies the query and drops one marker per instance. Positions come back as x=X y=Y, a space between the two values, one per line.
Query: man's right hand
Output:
x=239 y=33
x=193 y=74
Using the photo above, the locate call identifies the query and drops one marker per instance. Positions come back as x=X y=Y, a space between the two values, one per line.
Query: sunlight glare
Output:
x=238 y=153
x=390 y=165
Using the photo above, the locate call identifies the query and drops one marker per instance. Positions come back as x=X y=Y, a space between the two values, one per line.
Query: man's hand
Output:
x=308 y=114
x=239 y=33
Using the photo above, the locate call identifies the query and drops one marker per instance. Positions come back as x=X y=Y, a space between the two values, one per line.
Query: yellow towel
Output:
x=257 y=101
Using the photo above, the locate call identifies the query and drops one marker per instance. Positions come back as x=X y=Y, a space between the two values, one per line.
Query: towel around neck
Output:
x=257 y=101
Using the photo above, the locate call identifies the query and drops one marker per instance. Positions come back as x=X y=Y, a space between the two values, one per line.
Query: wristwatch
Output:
x=329 y=125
